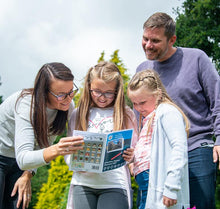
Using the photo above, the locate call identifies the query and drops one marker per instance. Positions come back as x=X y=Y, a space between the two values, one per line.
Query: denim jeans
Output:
x=202 y=178
x=9 y=173
x=142 y=180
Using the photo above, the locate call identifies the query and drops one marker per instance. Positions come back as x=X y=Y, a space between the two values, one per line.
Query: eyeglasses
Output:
x=108 y=95
x=64 y=96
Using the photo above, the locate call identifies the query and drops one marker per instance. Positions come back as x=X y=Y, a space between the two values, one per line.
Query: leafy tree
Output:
x=116 y=60
x=101 y=58
x=198 y=26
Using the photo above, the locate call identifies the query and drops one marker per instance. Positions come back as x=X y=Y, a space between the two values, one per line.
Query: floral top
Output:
x=143 y=147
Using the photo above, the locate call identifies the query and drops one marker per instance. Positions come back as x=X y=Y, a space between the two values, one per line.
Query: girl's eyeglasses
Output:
x=108 y=95
x=71 y=94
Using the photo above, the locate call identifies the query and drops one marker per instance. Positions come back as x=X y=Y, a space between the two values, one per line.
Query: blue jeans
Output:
x=202 y=178
x=142 y=180
x=9 y=173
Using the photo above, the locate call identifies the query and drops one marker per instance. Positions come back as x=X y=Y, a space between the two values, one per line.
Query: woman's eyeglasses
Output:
x=109 y=95
x=71 y=94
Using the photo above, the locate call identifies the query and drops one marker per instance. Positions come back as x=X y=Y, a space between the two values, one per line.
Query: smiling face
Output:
x=156 y=45
x=143 y=101
x=103 y=87
x=59 y=87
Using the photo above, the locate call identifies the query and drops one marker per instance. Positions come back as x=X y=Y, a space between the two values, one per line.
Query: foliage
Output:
x=116 y=60
x=135 y=192
x=51 y=193
x=36 y=183
x=65 y=197
x=101 y=58
x=198 y=26
x=76 y=97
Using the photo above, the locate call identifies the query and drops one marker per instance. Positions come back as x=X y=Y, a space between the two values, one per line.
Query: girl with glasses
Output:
x=30 y=121
x=102 y=109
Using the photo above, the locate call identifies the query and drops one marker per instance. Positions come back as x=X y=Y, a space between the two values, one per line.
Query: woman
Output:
x=30 y=121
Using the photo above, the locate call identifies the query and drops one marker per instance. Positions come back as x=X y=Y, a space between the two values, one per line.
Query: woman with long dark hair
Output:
x=30 y=121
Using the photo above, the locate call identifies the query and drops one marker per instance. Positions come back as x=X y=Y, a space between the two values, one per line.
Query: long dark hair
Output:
x=38 y=113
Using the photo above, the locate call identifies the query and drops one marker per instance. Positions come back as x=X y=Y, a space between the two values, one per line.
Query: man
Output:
x=194 y=85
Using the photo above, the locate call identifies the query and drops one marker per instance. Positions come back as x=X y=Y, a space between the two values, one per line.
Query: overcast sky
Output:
x=73 y=32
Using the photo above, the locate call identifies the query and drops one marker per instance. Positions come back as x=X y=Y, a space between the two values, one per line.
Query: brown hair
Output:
x=38 y=113
x=161 y=20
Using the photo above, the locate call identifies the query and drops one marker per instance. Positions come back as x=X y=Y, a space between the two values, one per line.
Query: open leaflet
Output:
x=102 y=152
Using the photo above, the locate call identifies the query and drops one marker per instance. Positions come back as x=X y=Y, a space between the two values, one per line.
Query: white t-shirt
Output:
x=100 y=121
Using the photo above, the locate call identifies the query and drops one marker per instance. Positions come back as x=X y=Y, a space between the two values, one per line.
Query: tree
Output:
x=116 y=60
x=198 y=26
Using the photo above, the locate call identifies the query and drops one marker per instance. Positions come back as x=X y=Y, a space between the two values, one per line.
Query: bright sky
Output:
x=73 y=32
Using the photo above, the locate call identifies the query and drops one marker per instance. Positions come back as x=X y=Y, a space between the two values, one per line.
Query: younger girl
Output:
x=162 y=144
x=102 y=109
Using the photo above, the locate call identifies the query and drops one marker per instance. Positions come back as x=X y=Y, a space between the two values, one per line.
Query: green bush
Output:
x=135 y=192
x=51 y=194
x=65 y=197
x=36 y=183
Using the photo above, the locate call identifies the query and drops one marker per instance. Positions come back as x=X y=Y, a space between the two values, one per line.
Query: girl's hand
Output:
x=168 y=201
x=23 y=187
x=128 y=154
x=66 y=146
x=131 y=168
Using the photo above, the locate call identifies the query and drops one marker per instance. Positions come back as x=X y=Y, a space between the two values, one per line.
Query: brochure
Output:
x=102 y=152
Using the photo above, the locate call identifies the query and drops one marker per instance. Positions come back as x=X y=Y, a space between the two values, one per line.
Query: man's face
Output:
x=155 y=44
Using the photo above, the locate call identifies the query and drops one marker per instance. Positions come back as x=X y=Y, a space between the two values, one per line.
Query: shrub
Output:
x=51 y=193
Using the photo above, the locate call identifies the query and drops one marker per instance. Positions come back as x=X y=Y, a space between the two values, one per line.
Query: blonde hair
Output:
x=149 y=79
x=108 y=72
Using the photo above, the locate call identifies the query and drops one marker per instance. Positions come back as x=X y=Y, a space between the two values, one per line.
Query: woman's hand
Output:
x=168 y=201
x=69 y=145
x=128 y=154
x=66 y=146
x=23 y=187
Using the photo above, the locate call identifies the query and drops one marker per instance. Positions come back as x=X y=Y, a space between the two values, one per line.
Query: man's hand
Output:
x=23 y=187
x=216 y=155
